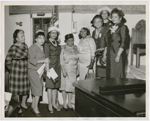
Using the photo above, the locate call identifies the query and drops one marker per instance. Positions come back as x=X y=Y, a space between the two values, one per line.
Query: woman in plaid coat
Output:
x=17 y=63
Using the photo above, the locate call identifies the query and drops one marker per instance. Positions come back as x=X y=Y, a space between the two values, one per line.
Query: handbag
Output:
x=90 y=75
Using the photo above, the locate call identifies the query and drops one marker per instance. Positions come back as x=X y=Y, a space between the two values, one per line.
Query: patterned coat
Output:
x=17 y=62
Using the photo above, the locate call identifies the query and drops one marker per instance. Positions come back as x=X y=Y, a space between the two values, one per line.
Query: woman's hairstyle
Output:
x=96 y=16
x=86 y=29
x=15 y=35
x=39 y=33
x=48 y=35
x=102 y=13
x=120 y=14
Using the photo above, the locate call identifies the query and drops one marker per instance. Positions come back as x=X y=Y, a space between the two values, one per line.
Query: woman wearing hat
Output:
x=36 y=59
x=105 y=13
x=52 y=51
x=117 y=41
x=86 y=49
x=99 y=35
x=69 y=60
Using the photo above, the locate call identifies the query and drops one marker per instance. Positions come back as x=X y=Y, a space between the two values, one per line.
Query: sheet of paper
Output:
x=41 y=73
x=8 y=96
x=41 y=70
x=52 y=74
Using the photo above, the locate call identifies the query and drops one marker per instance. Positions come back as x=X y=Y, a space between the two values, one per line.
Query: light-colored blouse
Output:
x=87 y=45
x=69 y=55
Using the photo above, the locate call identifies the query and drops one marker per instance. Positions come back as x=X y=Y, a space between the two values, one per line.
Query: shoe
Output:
x=27 y=109
x=57 y=109
x=36 y=114
x=70 y=108
x=66 y=109
x=20 y=114
x=51 y=111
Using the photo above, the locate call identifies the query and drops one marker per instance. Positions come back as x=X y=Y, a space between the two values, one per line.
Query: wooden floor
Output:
x=45 y=113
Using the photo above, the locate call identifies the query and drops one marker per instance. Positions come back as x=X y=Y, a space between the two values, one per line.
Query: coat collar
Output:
x=38 y=47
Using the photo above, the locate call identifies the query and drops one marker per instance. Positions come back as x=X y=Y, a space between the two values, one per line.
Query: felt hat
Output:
x=68 y=36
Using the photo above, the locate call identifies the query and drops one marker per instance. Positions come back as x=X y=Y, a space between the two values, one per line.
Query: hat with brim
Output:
x=53 y=28
x=103 y=9
x=68 y=36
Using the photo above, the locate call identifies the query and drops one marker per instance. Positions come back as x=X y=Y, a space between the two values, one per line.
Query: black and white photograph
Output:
x=74 y=60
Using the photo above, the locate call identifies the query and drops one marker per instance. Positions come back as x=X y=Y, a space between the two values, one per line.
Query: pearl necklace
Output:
x=53 y=42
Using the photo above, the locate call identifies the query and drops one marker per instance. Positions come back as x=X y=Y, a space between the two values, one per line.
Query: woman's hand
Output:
x=91 y=64
x=104 y=58
x=65 y=74
x=46 y=60
x=117 y=59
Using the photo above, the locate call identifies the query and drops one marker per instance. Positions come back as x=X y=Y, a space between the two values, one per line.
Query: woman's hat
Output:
x=53 y=28
x=68 y=36
x=96 y=16
x=39 y=31
x=103 y=9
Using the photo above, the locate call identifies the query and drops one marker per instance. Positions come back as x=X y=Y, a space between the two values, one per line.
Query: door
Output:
x=40 y=24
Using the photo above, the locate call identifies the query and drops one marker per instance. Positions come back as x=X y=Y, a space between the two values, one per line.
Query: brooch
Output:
x=113 y=29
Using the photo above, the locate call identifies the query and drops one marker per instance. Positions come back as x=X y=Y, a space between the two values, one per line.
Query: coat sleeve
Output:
x=46 y=50
x=32 y=55
x=124 y=32
x=92 y=46
x=93 y=34
x=9 y=57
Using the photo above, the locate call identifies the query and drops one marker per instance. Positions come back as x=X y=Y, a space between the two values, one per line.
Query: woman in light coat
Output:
x=86 y=49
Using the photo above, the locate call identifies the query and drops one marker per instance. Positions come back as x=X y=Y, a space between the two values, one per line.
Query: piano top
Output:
x=133 y=102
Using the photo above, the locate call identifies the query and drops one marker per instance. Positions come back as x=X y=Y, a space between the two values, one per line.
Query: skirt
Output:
x=113 y=69
x=36 y=83
x=67 y=82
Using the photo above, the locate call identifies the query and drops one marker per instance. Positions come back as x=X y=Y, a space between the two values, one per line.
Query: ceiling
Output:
x=30 y=9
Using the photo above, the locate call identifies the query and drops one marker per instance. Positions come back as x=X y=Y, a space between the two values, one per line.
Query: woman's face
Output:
x=20 y=37
x=40 y=39
x=115 y=18
x=97 y=22
x=70 y=42
x=53 y=34
x=105 y=15
x=83 y=33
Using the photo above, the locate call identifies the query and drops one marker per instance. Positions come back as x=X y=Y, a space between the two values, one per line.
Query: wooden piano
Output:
x=90 y=102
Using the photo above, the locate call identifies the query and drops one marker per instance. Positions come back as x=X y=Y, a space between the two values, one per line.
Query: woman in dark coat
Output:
x=99 y=35
x=117 y=41
x=17 y=63
x=52 y=51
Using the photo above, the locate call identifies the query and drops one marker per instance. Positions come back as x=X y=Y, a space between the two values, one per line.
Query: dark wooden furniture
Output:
x=13 y=109
x=138 y=46
x=90 y=103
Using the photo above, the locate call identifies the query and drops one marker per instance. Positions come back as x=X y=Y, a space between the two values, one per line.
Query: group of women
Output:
x=109 y=39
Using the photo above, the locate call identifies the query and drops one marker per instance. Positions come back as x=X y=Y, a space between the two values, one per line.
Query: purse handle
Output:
x=90 y=69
